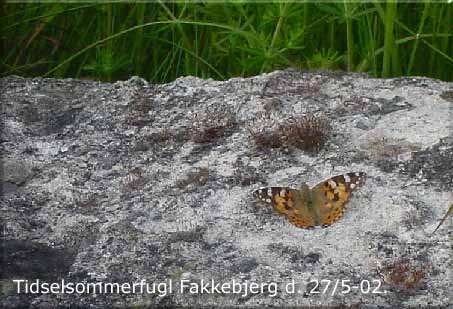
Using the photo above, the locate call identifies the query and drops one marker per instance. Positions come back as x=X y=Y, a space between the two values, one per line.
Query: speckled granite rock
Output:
x=125 y=182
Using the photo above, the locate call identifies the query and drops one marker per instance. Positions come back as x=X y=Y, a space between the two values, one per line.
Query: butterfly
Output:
x=308 y=207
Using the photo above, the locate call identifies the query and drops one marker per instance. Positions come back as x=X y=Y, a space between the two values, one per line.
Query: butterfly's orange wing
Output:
x=290 y=203
x=331 y=195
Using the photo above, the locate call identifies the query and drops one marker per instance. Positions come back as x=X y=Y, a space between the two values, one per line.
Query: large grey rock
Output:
x=124 y=182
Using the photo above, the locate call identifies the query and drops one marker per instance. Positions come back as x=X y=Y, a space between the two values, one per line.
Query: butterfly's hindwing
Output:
x=287 y=202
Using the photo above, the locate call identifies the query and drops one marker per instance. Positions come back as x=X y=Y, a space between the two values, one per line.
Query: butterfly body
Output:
x=321 y=205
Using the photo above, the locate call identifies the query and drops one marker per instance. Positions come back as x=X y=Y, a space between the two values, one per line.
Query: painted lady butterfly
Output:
x=321 y=205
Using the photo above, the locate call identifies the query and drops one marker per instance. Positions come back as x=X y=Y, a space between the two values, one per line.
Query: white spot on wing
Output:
x=332 y=184
x=352 y=185
x=282 y=192
x=347 y=178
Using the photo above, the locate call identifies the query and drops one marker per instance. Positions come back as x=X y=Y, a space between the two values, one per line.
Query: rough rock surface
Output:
x=123 y=182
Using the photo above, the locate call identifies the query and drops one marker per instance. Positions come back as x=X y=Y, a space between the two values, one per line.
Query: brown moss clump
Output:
x=137 y=114
x=211 y=127
x=160 y=136
x=206 y=135
x=88 y=203
x=135 y=180
x=267 y=139
x=309 y=132
x=404 y=276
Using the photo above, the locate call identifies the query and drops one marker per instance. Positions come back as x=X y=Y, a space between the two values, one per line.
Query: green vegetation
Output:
x=161 y=41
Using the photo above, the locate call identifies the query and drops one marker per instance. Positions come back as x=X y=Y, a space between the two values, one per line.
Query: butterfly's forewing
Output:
x=332 y=194
x=289 y=203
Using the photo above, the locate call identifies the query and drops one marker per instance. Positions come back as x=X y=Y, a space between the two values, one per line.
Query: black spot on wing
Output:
x=336 y=197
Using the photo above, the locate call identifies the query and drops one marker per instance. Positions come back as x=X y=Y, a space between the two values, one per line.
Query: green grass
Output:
x=161 y=41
